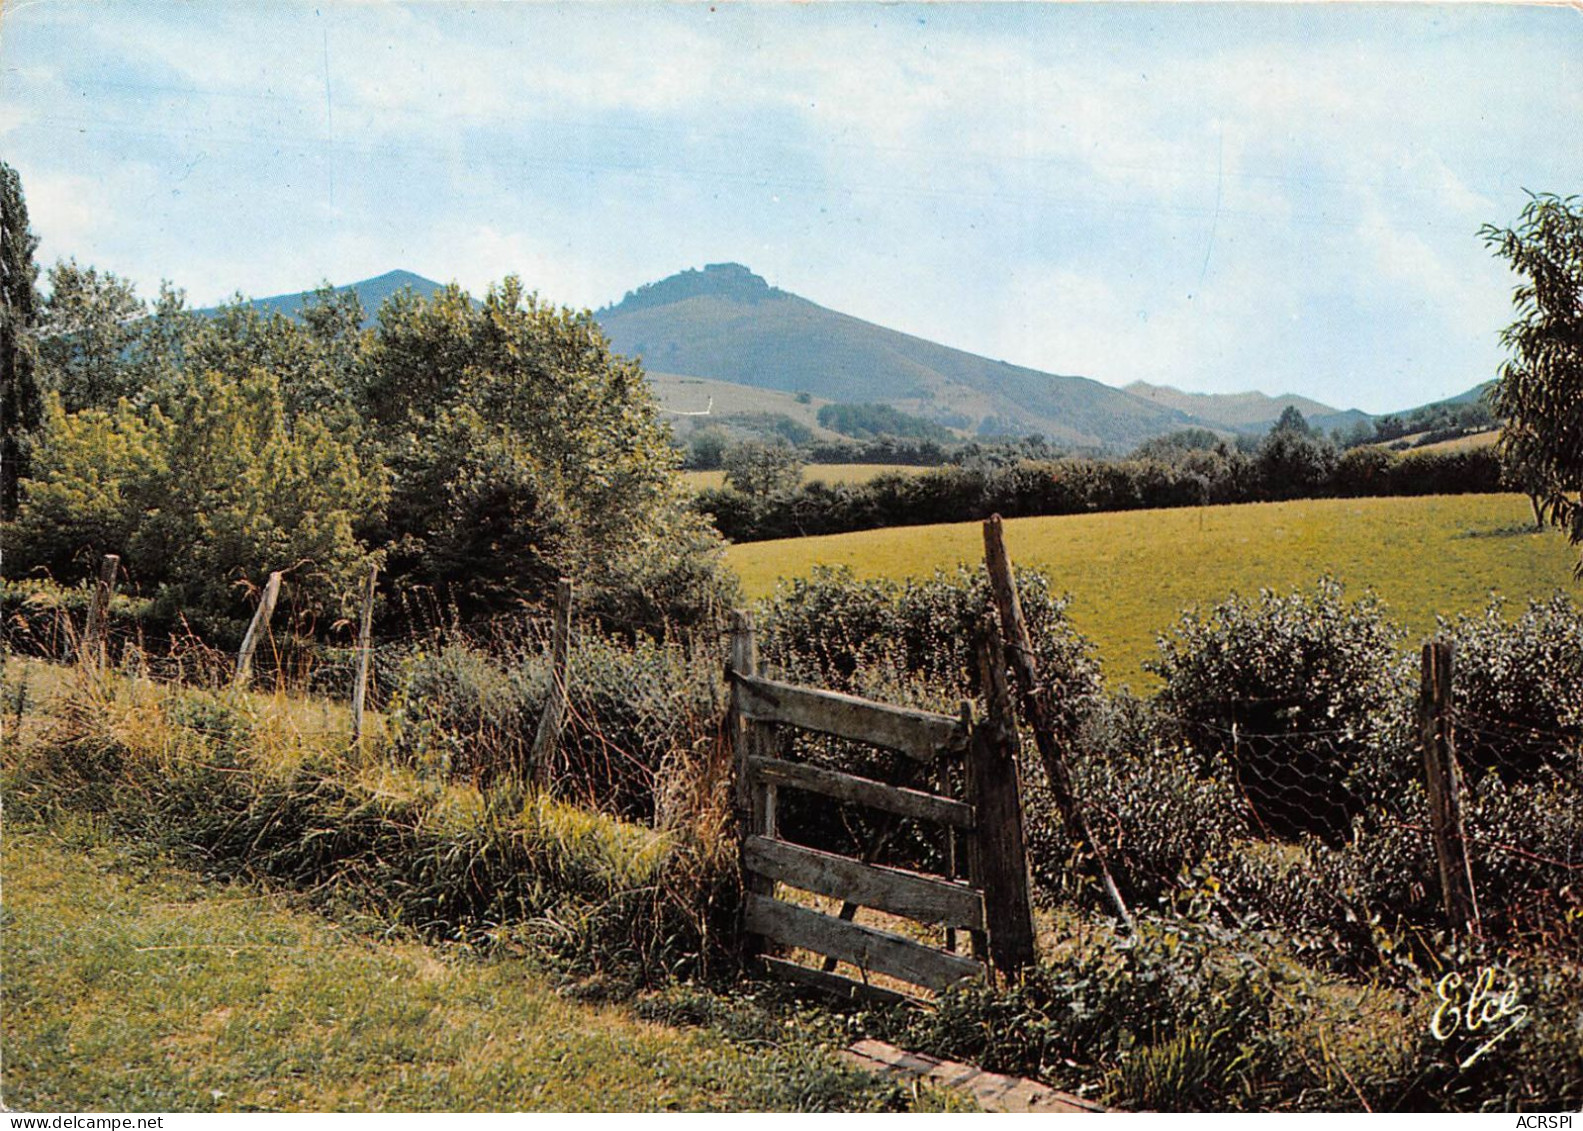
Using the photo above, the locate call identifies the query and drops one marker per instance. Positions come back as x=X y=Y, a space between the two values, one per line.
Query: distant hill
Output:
x=372 y=293
x=726 y=323
x=725 y=333
x=1245 y=412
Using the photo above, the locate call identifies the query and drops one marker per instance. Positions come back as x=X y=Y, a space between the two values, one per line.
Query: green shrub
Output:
x=1095 y=1012
x=459 y=712
x=1303 y=695
x=1518 y=690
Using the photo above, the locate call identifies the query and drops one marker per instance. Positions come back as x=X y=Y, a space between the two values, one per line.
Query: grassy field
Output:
x=130 y=986
x=1462 y=443
x=1131 y=573
x=827 y=472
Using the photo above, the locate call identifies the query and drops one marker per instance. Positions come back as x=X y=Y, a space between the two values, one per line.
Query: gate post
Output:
x=993 y=789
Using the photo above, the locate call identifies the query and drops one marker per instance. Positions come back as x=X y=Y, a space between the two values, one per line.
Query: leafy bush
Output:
x=460 y=713
x=1518 y=689
x=1304 y=697
x=1171 y=1015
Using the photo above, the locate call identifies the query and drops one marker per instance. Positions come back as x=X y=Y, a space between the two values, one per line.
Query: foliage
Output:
x=89 y=324
x=1539 y=396
x=1122 y=1011
x=516 y=405
x=213 y=488
x=1519 y=703
x=20 y=398
x=1293 y=462
x=864 y=421
x=1297 y=692
x=761 y=470
x=1289 y=464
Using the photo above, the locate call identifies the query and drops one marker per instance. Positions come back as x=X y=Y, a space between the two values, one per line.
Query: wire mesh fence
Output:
x=1316 y=821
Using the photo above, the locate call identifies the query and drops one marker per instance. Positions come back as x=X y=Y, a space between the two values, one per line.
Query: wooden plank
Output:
x=748 y=740
x=864 y=791
x=96 y=633
x=918 y=734
x=917 y=897
x=864 y=947
x=993 y=1091
x=839 y=985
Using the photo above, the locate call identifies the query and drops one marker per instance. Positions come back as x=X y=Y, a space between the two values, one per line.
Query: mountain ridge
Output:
x=724 y=323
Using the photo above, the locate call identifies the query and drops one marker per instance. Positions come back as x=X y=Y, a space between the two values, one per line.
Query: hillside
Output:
x=372 y=293
x=1243 y=412
x=726 y=332
x=726 y=323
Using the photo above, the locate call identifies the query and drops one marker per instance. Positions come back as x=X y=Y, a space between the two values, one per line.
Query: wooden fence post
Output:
x=548 y=737
x=1001 y=862
x=747 y=738
x=360 y=668
x=257 y=629
x=96 y=634
x=1444 y=783
x=1031 y=695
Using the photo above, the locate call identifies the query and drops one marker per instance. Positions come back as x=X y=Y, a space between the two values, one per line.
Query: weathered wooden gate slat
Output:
x=918 y=734
x=864 y=947
x=848 y=989
x=868 y=885
x=864 y=791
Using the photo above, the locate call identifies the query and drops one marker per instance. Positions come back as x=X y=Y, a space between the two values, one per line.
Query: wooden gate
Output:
x=990 y=905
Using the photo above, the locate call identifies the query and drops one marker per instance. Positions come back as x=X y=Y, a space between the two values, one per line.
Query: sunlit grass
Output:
x=1131 y=573
x=130 y=986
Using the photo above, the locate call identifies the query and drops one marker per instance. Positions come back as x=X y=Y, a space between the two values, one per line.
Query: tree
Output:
x=761 y=470
x=21 y=407
x=215 y=485
x=89 y=323
x=1293 y=462
x=1539 y=396
x=512 y=407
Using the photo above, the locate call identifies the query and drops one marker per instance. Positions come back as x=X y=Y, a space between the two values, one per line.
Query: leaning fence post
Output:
x=1001 y=862
x=257 y=629
x=1444 y=782
x=548 y=737
x=360 y=668
x=97 y=631
x=1036 y=709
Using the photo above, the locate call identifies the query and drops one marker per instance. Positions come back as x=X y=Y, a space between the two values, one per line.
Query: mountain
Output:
x=372 y=293
x=1239 y=412
x=728 y=324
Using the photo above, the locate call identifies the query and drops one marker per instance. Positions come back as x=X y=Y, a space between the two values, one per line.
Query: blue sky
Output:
x=1219 y=197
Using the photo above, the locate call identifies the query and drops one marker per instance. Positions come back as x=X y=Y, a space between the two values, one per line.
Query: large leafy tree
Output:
x=20 y=403
x=1539 y=396
x=511 y=408
x=90 y=321
x=212 y=487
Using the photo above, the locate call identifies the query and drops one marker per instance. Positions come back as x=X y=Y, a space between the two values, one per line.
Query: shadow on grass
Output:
x=1517 y=531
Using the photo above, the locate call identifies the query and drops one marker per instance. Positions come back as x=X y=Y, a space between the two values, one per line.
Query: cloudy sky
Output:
x=1219 y=197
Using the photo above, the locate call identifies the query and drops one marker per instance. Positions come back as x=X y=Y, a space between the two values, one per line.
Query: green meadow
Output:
x=131 y=985
x=1131 y=573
